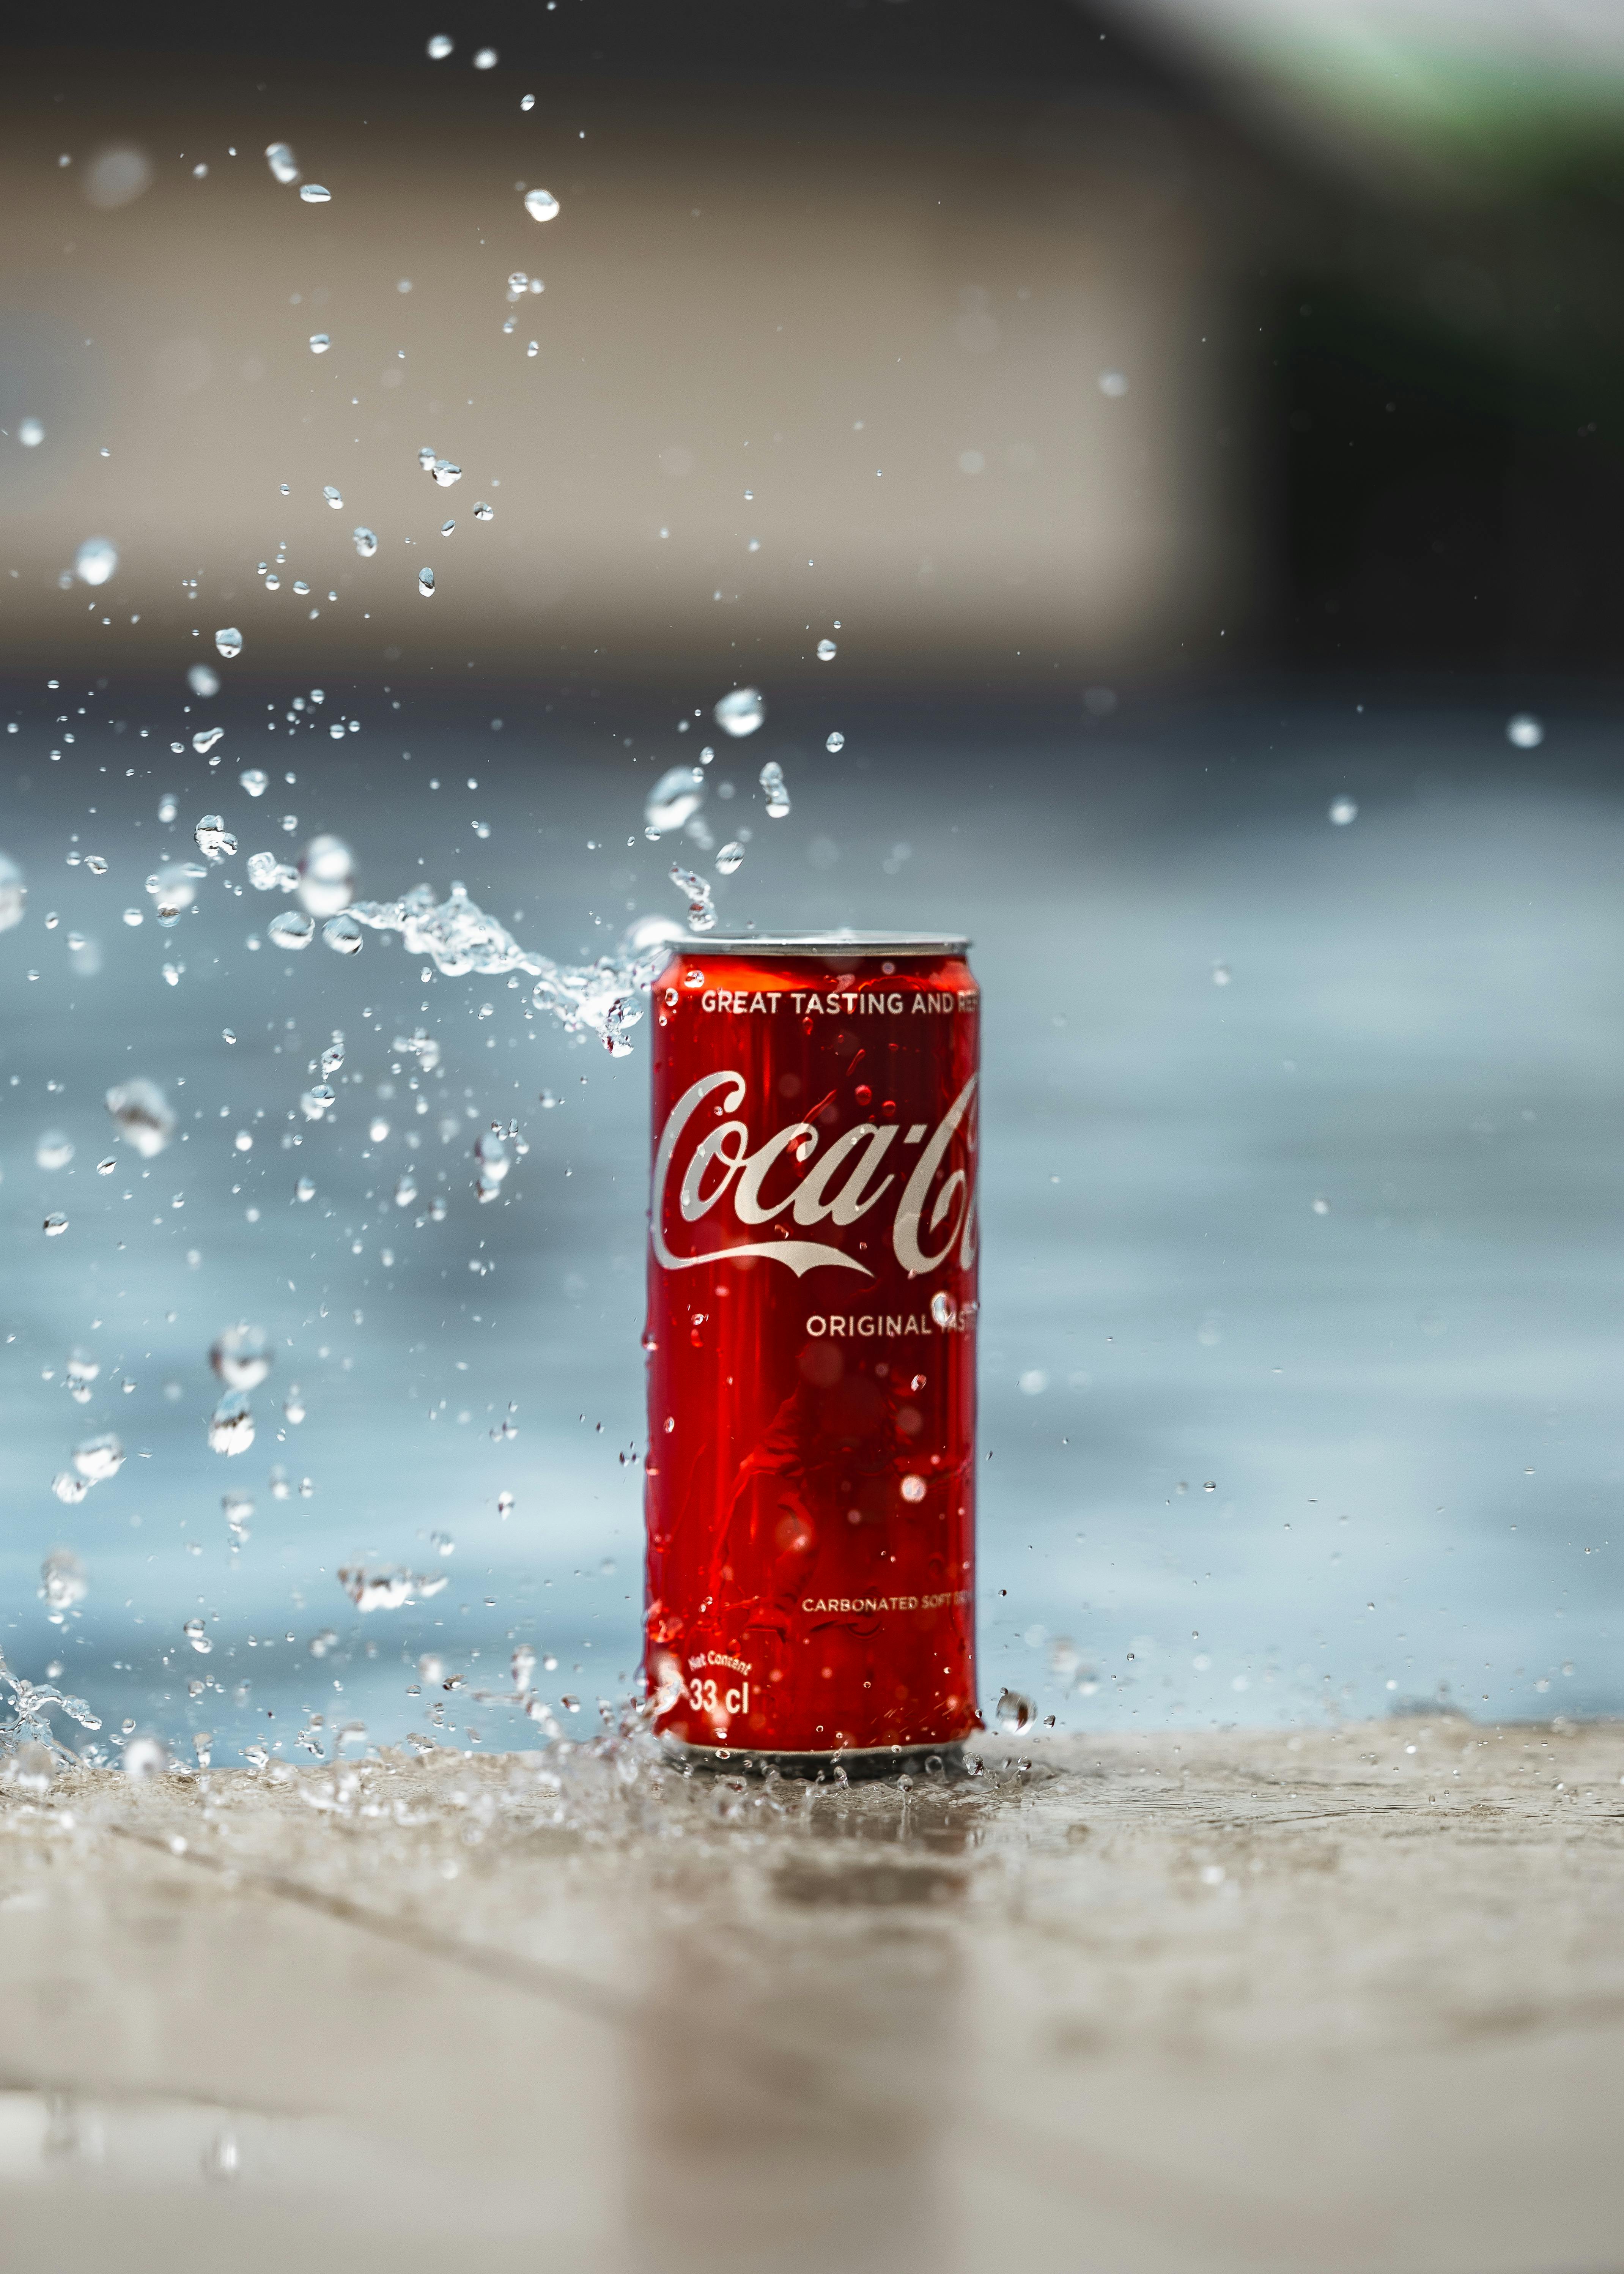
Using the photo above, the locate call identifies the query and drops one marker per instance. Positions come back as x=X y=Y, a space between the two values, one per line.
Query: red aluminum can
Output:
x=811 y=1338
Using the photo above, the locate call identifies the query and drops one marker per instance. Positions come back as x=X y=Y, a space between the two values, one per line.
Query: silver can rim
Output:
x=830 y=947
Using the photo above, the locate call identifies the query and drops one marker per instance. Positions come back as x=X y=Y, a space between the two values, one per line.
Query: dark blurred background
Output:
x=1352 y=270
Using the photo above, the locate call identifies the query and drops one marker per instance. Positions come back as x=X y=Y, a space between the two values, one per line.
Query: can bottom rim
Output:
x=875 y=1761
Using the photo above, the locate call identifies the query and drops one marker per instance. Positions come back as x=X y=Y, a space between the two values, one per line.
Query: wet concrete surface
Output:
x=1351 y=2000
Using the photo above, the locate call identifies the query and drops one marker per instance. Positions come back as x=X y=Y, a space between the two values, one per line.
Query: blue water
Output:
x=1245 y=1458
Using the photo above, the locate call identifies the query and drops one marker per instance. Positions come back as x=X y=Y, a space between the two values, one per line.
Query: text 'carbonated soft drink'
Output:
x=811 y=1340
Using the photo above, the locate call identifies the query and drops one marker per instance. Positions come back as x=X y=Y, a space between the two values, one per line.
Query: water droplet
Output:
x=174 y=889
x=306 y=1189
x=206 y=738
x=67 y=1486
x=202 y=681
x=229 y=641
x=730 y=860
x=678 y=794
x=238 y=1508
x=242 y=1357
x=281 y=162
x=835 y=742
x=197 y=1635
x=63 y=1580
x=441 y=47
x=326 y=875
x=230 y=1426
x=142 y=1115
x=315 y=1103
x=701 y=914
x=777 y=795
x=96 y=560
x=425 y=583
x=482 y=512
x=913 y=1489
x=943 y=1310
x=541 y=204
x=1033 y=1382
x=214 y=840
x=1524 y=731
x=266 y=873
x=335 y=497
x=742 y=711
x=826 y=651
x=505 y=1504
x=485 y=60
x=1016 y=1711
x=30 y=433
x=344 y=935
x=405 y=1191
x=527 y=103
x=1342 y=811
x=99 y=1458
x=319 y=342
x=387 y=1589
x=292 y=929
x=1113 y=383
x=254 y=779
x=313 y=195
x=1321 y=1206
x=1220 y=974
x=13 y=892
x=446 y=475
x=365 y=542
x=54 y=1150
x=491 y=1155
x=144 y=1758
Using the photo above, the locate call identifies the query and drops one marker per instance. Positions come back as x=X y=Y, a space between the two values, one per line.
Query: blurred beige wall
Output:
x=795 y=361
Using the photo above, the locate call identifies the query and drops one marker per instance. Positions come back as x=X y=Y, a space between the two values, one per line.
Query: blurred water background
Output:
x=1300 y=1337
x=1191 y=523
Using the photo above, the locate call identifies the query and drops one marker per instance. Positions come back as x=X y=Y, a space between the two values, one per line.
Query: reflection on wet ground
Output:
x=1301 y=1193
x=1351 y=2000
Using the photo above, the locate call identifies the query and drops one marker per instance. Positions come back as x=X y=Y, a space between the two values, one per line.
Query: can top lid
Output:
x=831 y=945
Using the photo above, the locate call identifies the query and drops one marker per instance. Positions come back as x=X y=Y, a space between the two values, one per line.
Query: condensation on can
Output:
x=810 y=1494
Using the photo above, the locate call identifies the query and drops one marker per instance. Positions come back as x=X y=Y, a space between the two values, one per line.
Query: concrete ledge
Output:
x=1347 y=2001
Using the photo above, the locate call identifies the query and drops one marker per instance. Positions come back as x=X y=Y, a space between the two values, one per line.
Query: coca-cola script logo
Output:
x=934 y=1213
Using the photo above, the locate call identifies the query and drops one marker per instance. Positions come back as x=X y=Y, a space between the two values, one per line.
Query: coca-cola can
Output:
x=810 y=1493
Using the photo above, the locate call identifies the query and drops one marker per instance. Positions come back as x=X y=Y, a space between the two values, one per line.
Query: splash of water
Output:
x=456 y=935
x=22 y=1723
